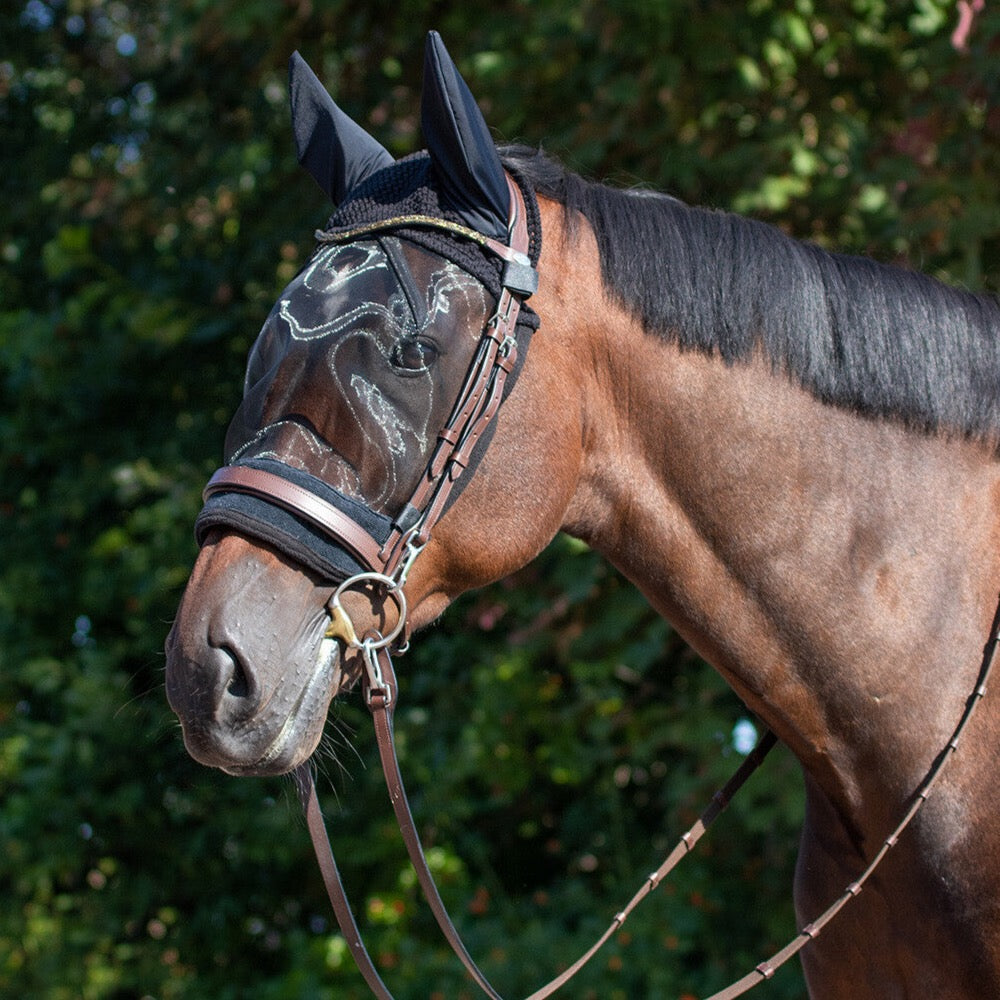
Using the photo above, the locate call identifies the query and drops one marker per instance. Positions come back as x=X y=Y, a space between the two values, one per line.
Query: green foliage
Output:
x=556 y=735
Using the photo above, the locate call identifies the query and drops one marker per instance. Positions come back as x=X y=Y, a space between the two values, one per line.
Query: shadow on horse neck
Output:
x=793 y=455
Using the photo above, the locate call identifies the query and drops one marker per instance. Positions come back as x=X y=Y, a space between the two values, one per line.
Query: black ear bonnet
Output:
x=409 y=187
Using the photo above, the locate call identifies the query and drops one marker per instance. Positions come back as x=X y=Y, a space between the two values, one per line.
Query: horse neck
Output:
x=840 y=572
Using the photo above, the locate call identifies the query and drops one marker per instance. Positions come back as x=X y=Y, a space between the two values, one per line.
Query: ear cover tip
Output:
x=298 y=69
x=334 y=149
x=460 y=143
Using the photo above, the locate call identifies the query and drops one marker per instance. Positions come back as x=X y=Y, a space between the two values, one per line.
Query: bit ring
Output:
x=341 y=626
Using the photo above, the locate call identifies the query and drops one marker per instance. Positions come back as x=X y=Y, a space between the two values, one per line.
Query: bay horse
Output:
x=791 y=453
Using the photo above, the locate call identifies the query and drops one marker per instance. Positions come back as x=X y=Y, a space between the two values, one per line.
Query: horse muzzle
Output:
x=251 y=677
x=230 y=718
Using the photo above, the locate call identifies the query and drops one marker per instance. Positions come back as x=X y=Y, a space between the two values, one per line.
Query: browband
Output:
x=518 y=274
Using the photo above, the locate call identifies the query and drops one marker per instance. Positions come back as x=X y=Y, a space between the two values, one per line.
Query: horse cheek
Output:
x=516 y=502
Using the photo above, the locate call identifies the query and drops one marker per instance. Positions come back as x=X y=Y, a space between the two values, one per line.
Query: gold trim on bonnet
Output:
x=400 y=222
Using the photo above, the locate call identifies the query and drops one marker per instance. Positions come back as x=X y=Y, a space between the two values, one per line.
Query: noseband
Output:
x=384 y=563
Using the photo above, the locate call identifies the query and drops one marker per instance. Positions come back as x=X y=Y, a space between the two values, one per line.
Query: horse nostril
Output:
x=239 y=683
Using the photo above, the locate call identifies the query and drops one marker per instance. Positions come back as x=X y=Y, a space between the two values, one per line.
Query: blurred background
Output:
x=555 y=734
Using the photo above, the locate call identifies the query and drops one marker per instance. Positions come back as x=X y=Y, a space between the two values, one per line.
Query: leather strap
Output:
x=381 y=702
x=476 y=405
x=766 y=969
x=334 y=886
x=300 y=501
x=381 y=709
x=380 y=705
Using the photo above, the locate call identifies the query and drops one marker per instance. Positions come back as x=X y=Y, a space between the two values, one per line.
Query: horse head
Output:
x=350 y=398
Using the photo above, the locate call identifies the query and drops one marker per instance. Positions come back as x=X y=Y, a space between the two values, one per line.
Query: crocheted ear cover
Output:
x=459 y=178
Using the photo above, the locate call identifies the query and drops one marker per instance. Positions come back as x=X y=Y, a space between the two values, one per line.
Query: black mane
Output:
x=877 y=339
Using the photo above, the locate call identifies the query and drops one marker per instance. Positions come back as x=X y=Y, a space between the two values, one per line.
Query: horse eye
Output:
x=414 y=355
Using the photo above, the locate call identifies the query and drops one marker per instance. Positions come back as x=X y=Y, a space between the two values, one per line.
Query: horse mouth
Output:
x=267 y=743
x=302 y=729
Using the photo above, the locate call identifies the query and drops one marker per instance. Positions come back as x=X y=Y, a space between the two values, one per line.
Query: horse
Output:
x=793 y=454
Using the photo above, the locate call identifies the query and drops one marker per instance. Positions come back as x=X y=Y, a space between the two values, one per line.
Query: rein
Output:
x=387 y=563
x=380 y=695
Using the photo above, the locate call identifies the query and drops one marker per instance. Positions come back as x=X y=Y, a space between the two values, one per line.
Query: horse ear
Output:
x=467 y=167
x=338 y=153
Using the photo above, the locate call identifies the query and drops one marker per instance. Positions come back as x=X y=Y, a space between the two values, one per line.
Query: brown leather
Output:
x=767 y=968
x=380 y=706
x=381 y=703
x=476 y=405
x=299 y=501
x=334 y=885
x=381 y=709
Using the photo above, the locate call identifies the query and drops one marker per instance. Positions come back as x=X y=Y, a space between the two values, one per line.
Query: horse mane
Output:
x=873 y=338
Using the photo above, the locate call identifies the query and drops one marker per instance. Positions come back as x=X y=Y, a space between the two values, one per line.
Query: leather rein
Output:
x=388 y=564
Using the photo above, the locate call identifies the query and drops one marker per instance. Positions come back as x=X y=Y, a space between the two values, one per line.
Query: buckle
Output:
x=376 y=684
x=519 y=276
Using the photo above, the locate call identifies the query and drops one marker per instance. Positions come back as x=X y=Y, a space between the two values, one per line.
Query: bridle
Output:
x=477 y=403
x=385 y=565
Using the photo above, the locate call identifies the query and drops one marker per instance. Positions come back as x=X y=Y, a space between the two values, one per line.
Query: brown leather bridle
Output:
x=476 y=406
x=386 y=565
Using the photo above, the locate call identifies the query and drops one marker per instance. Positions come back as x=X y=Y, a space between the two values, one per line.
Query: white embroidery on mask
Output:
x=447 y=283
x=390 y=435
x=294 y=444
x=385 y=414
x=329 y=273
